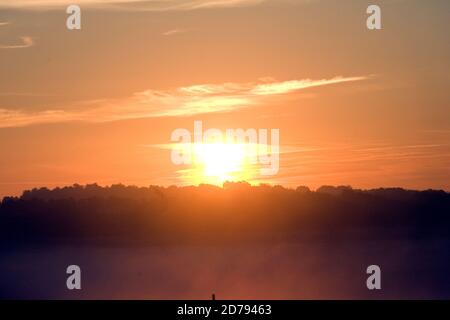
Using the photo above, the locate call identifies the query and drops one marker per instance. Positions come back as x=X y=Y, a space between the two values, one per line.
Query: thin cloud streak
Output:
x=173 y=32
x=288 y=86
x=5 y=23
x=26 y=43
x=24 y=94
x=141 y=5
x=182 y=101
x=207 y=98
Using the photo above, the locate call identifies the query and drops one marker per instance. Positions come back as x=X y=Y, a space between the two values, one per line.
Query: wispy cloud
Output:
x=149 y=5
x=209 y=98
x=24 y=94
x=20 y=118
x=26 y=43
x=182 y=101
x=293 y=85
x=4 y=23
x=173 y=32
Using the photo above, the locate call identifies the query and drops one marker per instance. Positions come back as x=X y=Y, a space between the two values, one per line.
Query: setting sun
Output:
x=215 y=163
x=220 y=160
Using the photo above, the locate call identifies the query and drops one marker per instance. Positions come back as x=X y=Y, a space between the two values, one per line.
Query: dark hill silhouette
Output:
x=207 y=214
x=239 y=241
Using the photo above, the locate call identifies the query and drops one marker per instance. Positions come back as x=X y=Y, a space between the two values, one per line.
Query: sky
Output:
x=359 y=107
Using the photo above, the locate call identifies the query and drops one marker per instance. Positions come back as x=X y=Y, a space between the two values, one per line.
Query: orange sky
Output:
x=353 y=106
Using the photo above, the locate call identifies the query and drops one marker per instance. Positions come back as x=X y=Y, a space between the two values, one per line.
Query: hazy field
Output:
x=302 y=271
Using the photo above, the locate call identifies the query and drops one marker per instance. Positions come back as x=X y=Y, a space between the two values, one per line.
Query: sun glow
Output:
x=220 y=160
x=215 y=163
